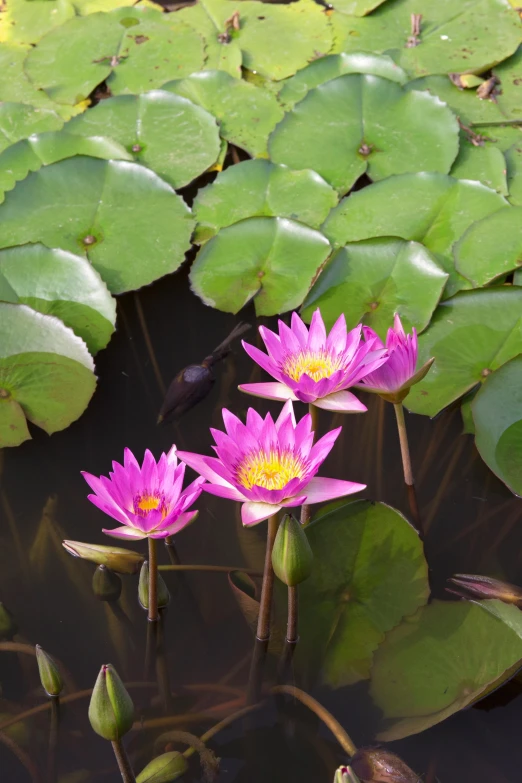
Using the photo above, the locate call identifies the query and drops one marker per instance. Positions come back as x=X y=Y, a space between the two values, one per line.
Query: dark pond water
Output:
x=473 y=525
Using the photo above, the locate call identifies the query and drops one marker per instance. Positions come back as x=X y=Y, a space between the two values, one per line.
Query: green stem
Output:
x=291 y=626
x=210 y=568
x=53 y=738
x=127 y=774
x=403 y=438
x=153 y=580
x=305 y=510
x=267 y=589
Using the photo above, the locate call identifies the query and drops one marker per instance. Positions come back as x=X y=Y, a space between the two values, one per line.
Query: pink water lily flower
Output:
x=394 y=378
x=312 y=367
x=147 y=500
x=267 y=465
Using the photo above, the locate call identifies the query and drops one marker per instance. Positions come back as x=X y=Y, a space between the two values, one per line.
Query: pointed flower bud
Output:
x=292 y=557
x=106 y=585
x=8 y=626
x=473 y=586
x=345 y=775
x=50 y=676
x=123 y=561
x=374 y=765
x=164 y=768
x=111 y=711
x=143 y=588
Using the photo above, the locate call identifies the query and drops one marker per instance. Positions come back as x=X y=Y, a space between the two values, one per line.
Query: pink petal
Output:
x=224 y=491
x=130 y=533
x=252 y=512
x=273 y=344
x=109 y=508
x=342 y=401
x=322 y=489
x=288 y=410
x=336 y=340
x=181 y=522
x=297 y=501
x=317 y=333
x=397 y=325
x=202 y=465
x=270 y=391
x=262 y=359
x=289 y=340
x=299 y=329
x=323 y=447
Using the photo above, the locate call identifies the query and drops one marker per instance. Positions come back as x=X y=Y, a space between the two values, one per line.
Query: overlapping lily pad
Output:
x=443 y=659
x=221 y=54
x=19 y=120
x=483 y=163
x=27 y=21
x=247 y=114
x=373 y=279
x=270 y=259
x=129 y=223
x=491 y=247
x=171 y=135
x=359 y=123
x=257 y=187
x=369 y=572
x=46 y=373
x=467 y=345
x=58 y=283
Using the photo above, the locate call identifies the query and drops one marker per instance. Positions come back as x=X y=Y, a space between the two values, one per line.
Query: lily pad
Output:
x=46 y=373
x=58 y=283
x=130 y=224
x=222 y=55
x=443 y=659
x=466 y=104
x=247 y=114
x=469 y=37
x=372 y=280
x=470 y=335
x=430 y=208
x=483 y=163
x=497 y=414
x=357 y=7
x=330 y=67
x=509 y=74
x=491 y=247
x=272 y=259
x=27 y=21
x=369 y=572
x=134 y=49
x=257 y=187
x=19 y=120
x=168 y=134
x=358 y=124
x=42 y=149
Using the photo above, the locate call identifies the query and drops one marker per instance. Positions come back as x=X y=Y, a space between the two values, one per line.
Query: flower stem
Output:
x=305 y=510
x=291 y=626
x=403 y=438
x=127 y=774
x=267 y=589
x=53 y=739
x=153 y=580
x=210 y=568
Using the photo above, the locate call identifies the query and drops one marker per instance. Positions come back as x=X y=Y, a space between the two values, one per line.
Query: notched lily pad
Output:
x=491 y=247
x=19 y=120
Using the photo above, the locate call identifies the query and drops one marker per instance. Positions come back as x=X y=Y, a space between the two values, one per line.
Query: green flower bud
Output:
x=374 y=765
x=111 y=711
x=123 y=561
x=7 y=624
x=143 y=588
x=50 y=676
x=164 y=768
x=292 y=557
x=106 y=584
x=345 y=775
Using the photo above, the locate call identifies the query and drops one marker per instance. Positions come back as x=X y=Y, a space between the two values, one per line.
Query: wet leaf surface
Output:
x=19 y=120
x=491 y=247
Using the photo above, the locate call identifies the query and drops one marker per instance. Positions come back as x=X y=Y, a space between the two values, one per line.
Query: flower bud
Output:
x=111 y=711
x=123 y=561
x=292 y=557
x=345 y=775
x=106 y=584
x=143 y=588
x=50 y=676
x=8 y=626
x=402 y=393
x=373 y=765
x=472 y=586
x=164 y=768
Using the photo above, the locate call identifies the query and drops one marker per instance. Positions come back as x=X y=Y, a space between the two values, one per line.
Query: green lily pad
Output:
x=27 y=21
x=358 y=124
x=509 y=140
x=58 y=283
x=168 y=134
x=497 y=414
x=372 y=280
x=469 y=37
x=485 y=164
x=509 y=98
x=220 y=55
x=134 y=49
x=430 y=208
x=84 y=7
x=330 y=67
x=137 y=228
x=470 y=335
x=357 y=7
x=441 y=660
x=42 y=149
x=46 y=373
x=468 y=425
x=272 y=259
x=491 y=247
x=257 y=187
x=246 y=114
x=19 y=120
x=369 y=572
x=466 y=104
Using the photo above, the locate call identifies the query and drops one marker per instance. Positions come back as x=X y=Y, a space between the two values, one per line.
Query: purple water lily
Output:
x=312 y=367
x=267 y=465
x=148 y=501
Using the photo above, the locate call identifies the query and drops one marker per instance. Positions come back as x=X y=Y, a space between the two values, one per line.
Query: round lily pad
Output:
x=27 y=21
x=369 y=572
x=129 y=223
x=247 y=114
x=58 y=283
x=483 y=163
x=221 y=54
x=359 y=123
x=372 y=280
x=272 y=259
x=509 y=89
x=46 y=373
x=466 y=104
x=470 y=335
x=357 y=7
x=441 y=660
x=18 y=121
x=491 y=247
x=257 y=187
x=169 y=134
x=430 y=208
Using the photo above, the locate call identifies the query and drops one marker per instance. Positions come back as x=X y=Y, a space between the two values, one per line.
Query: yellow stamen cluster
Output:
x=317 y=365
x=270 y=471
x=145 y=503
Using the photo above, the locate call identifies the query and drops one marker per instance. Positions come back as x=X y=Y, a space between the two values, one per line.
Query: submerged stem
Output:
x=53 y=739
x=127 y=773
x=267 y=589
x=210 y=568
x=153 y=580
x=403 y=438
x=305 y=510
x=291 y=625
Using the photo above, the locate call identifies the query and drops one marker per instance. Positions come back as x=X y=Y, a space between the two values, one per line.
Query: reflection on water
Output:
x=472 y=522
